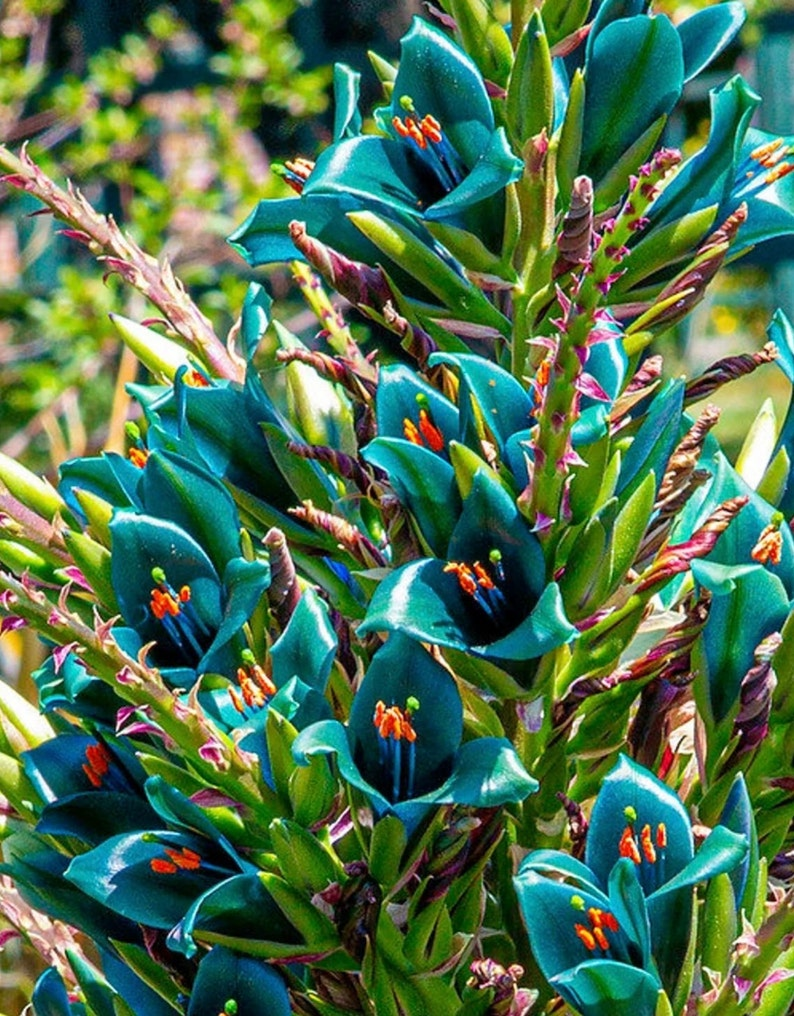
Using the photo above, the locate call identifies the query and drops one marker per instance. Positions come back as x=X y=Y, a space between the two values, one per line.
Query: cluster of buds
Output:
x=508 y=998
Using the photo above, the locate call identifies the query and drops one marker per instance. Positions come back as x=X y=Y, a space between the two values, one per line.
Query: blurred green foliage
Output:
x=171 y=131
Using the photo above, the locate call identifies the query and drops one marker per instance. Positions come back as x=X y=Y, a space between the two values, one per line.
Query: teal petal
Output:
x=545 y=628
x=180 y=491
x=503 y=403
x=255 y=318
x=610 y=11
x=347 y=117
x=555 y=862
x=422 y=601
x=550 y=911
x=444 y=81
x=143 y=542
x=307 y=647
x=329 y=737
x=396 y=401
x=491 y=520
x=109 y=476
x=403 y=668
x=50 y=997
x=606 y=988
x=487 y=774
x=634 y=74
x=707 y=177
x=738 y=622
x=627 y=902
x=118 y=874
x=629 y=785
x=253 y=985
x=654 y=441
x=245 y=583
x=737 y=816
x=376 y=171
x=721 y=851
x=670 y=907
x=496 y=167
x=94 y=816
x=425 y=484
x=706 y=33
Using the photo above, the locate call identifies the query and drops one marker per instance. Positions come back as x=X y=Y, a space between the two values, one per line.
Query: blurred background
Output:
x=169 y=116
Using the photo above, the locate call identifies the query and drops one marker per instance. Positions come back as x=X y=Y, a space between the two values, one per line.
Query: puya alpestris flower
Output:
x=403 y=748
x=614 y=931
x=439 y=156
x=178 y=573
x=487 y=595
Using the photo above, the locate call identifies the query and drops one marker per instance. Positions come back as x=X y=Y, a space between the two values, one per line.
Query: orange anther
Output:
x=393 y=722
x=609 y=921
x=769 y=546
x=195 y=379
x=261 y=678
x=431 y=129
x=781 y=170
x=763 y=152
x=430 y=432
x=94 y=778
x=596 y=916
x=184 y=594
x=185 y=858
x=586 y=936
x=647 y=845
x=483 y=578
x=162 y=867
x=661 y=836
x=600 y=937
x=237 y=701
x=628 y=846
x=410 y=432
x=99 y=758
x=138 y=457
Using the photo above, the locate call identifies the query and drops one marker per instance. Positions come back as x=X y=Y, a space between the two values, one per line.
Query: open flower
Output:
x=402 y=746
x=489 y=596
x=440 y=156
x=615 y=932
x=177 y=571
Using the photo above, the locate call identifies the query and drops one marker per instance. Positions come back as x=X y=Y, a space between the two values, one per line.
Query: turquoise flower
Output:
x=614 y=932
x=402 y=747
x=439 y=157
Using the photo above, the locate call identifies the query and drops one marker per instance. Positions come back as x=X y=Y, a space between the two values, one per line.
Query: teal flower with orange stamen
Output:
x=402 y=747
x=439 y=156
x=178 y=574
x=640 y=866
x=487 y=595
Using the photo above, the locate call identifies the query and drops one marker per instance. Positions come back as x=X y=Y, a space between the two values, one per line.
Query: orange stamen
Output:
x=162 y=867
x=195 y=379
x=483 y=578
x=430 y=432
x=600 y=937
x=410 y=432
x=763 y=152
x=185 y=858
x=783 y=169
x=647 y=845
x=628 y=846
x=661 y=836
x=431 y=129
x=138 y=457
x=464 y=576
x=393 y=722
x=769 y=546
x=586 y=936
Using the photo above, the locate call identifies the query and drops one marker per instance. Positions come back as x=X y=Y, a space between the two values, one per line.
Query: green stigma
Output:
x=495 y=555
x=158 y=575
x=630 y=813
x=412 y=704
x=422 y=400
x=577 y=902
x=132 y=430
x=407 y=103
x=248 y=657
x=230 y=1009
